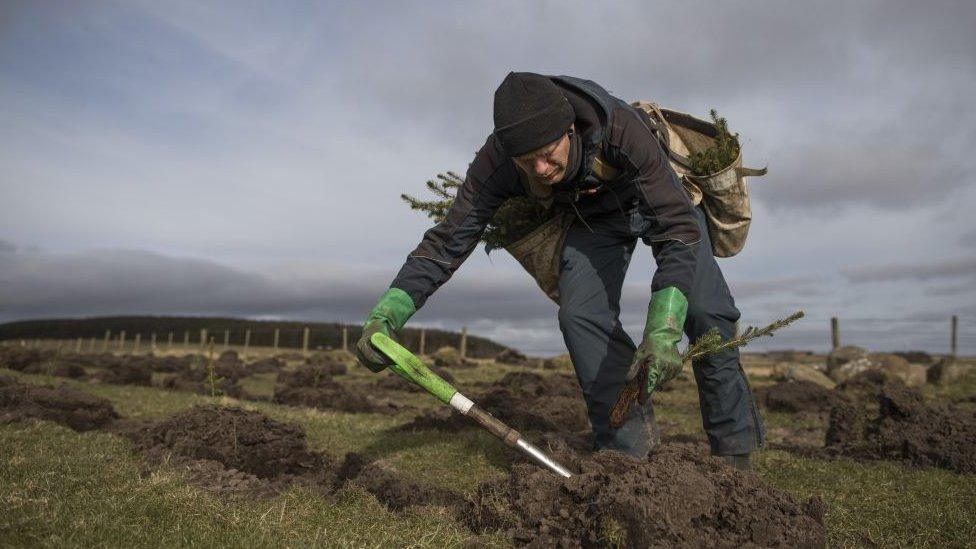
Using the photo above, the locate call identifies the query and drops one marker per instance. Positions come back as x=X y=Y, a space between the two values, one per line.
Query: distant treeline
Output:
x=321 y=335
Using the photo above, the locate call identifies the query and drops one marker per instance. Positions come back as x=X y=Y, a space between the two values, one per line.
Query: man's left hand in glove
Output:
x=657 y=360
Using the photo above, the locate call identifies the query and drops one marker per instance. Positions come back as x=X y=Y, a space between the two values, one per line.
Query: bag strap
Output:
x=750 y=172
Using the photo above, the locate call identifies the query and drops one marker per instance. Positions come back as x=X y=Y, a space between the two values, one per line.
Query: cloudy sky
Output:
x=247 y=158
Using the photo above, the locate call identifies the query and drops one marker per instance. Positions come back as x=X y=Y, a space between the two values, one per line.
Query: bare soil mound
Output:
x=677 y=497
x=17 y=358
x=798 y=397
x=530 y=401
x=907 y=429
x=449 y=357
x=306 y=375
x=334 y=396
x=394 y=382
x=125 y=373
x=868 y=386
x=266 y=365
x=166 y=364
x=313 y=387
x=237 y=439
x=329 y=362
x=75 y=409
x=196 y=381
x=511 y=356
x=59 y=367
x=526 y=401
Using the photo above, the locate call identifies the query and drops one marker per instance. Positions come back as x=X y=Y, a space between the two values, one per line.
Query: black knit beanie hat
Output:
x=530 y=112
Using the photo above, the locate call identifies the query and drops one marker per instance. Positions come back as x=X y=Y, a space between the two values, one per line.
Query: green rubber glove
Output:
x=657 y=356
x=389 y=315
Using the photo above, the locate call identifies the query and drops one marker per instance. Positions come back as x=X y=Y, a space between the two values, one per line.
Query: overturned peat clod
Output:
x=70 y=407
x=238 y=439
x=677 y=497
x=904 y=428
x=798 y=397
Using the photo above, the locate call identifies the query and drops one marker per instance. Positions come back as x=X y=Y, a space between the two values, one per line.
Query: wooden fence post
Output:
x=135 y=347
x=247 y=342
x=203 y=339
x=464 y=342
x=186 y=340
x=953 y=338
x=305 y=341
x=152 y=342
x=108 y=336
x=91 y=345
x=345 y=338
x=226 y=339
x=122 y=340
x=169 y=342
x=277 y=338
x=423 y=342
x=78 y=346
x=834 y=332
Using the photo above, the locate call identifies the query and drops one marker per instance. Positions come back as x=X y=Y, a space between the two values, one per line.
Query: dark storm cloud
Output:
x=128 y=281
x=912 y=271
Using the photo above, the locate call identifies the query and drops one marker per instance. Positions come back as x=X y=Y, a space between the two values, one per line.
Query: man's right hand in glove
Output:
x=389 y=315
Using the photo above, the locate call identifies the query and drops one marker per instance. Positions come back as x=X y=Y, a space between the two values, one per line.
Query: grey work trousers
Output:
x=594 y=263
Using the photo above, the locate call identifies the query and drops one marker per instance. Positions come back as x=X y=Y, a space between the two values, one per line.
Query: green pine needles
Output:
x=712 y=342
x=719 y=156
x=515 y=219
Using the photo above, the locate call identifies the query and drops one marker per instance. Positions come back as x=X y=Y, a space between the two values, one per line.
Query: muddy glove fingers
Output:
x=389 y=315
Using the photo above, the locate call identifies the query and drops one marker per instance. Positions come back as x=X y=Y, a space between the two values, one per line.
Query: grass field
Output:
x=63 y=488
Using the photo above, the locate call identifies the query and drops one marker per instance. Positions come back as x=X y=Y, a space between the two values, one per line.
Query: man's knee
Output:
x=705 y=314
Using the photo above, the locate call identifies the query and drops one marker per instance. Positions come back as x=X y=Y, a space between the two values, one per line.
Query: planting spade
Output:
x=414 y=370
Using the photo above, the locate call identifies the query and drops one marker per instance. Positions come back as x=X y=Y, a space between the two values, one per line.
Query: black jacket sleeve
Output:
x=675 y=230
x=490 y=180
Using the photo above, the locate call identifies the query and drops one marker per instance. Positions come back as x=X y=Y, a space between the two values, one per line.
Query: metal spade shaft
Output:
x=414 y=370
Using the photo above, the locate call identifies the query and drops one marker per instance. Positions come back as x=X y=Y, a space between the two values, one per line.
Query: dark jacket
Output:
x=606 y=125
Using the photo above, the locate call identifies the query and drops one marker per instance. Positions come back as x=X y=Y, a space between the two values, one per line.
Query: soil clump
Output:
x=868 y=386
x=795 y=397
x=313 y=387
x=70 y=407
x=394 y=382
x=266 y=365
x=17 y=358
x=237 y=439
x=904 y=428
x=335 y=362
x=677 y=497
x=512 y=357
x=526 y=401
x=125 y=372
x=449 y=357
x=197 y=381
x=58 y=367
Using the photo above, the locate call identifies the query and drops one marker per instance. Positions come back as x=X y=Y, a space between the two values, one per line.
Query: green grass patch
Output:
x=61 y=488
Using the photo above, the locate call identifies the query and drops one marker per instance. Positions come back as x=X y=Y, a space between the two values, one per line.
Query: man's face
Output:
x=548 y=163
